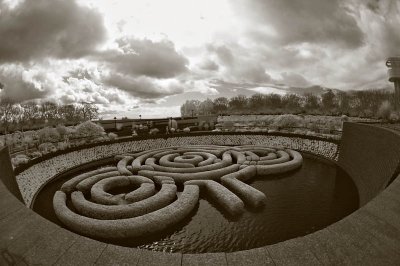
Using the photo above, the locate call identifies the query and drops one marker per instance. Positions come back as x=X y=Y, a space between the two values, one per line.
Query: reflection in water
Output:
x=299 y=202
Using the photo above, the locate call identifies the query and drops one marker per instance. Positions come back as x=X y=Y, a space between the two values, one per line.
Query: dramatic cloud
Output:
x=294 y=79
x=380 y=21
x=86 y=90
x=142 y=68
x=209 y=65
x=144 y=87
x=224 y=54
x=48 y=28
x=312 y=21
x=144 y=57
x=22 y=85
x=35 y=82
x=237 y=64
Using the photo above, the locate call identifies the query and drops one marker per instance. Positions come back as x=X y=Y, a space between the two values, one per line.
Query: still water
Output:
x=299 y=202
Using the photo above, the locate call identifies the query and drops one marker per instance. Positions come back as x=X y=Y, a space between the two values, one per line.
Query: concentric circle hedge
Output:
x=153 y=204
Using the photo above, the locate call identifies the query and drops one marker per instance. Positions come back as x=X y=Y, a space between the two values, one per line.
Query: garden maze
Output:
x=149 y=191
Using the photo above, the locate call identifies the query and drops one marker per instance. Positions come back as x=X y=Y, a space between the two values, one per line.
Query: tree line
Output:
x=31 y=115
x=365 y=103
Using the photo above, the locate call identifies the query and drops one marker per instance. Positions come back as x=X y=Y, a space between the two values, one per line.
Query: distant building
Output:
x=393 y=63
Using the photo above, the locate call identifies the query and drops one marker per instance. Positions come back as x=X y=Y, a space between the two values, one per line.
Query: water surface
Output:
x=298 y=203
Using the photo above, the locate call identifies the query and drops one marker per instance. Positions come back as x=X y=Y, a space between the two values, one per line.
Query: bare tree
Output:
x=7 y=113
x=256 y=102
x=70 y=113
x=343 y=101
x=221 y=105
x=328 y=100
x=311 y=101
x=273 y=101
x=49 y=111
x=30 y=114
x=190 y=107
x=89 y=111
x=291 y=102
x=238 y=103
x=206 y=107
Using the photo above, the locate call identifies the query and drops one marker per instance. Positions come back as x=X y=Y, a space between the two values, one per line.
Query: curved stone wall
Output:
x=7 y=174
x=31 y=179
x=369 y=236
x=371 y=156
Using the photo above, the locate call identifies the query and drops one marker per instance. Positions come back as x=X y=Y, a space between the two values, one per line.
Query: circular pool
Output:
x=298 y=202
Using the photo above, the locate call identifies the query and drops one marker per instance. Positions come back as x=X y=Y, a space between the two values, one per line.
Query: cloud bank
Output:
x=33 y=30
x=81 y=50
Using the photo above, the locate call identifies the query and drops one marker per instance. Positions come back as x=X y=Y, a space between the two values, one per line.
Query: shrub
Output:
x=257 y=129
x=47 y=147
x=62 y=145
x=310 y=133
x=62 y=130
x=72 y=131
x=332 y=127
x=194 y=128
x=268 y=119
x=112 y=136
x=367 y=113
x=28 y=141
x=325 y=131
x=344 y=118
x=82 y=142
x=48 y=134
x=36 y=154
x=154 y=131
x=89 y=129
x=228 y=125
x=288 y=121
x=172 y=124
x=32 y=133
x=384 y=111
x=17 y=138
x=298 y=131
x=394 y=117
x=314 y=127
x=99 y=139
x=20 y=159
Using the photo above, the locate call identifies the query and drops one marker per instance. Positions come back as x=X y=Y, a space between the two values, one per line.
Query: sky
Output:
x=147 y=57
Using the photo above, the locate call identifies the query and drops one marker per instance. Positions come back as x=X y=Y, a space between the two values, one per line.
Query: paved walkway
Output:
x=369 y=236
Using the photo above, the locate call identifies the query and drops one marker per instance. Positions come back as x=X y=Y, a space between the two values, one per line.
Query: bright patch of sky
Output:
x=268 y=90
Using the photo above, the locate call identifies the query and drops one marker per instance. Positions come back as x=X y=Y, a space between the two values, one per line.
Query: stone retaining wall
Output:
x=370 y=155
x=7 y=175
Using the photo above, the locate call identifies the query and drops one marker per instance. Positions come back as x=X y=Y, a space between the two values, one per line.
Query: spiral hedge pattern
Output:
x=85 y=204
